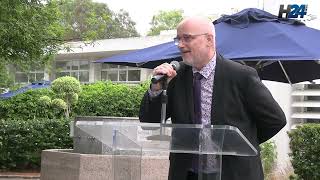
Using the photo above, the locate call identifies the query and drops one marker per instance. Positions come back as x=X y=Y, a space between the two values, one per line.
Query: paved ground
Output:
x=19 y=176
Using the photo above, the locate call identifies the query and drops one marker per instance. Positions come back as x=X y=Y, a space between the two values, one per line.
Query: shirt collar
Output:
x=208 y=68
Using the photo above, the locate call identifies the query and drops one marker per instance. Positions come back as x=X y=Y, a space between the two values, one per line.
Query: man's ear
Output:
x=210 y=40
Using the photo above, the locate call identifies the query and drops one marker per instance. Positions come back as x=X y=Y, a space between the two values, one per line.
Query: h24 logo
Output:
x=293 y=11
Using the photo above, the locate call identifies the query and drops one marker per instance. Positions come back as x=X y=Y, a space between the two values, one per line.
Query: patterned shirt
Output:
x=209 y=162
x=207 y=72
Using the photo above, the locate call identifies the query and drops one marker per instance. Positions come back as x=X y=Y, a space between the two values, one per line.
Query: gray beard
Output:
x=188 y=62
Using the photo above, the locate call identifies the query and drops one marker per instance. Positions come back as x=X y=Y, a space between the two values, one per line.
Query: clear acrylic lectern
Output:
x=128 y=141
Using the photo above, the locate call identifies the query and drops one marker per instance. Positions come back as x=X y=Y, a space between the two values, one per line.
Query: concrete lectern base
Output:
x=63 y=164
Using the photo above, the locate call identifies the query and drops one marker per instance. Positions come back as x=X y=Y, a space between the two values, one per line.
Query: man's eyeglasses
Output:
x=186 y=38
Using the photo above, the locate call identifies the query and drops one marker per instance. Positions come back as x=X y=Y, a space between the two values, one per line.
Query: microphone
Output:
x=161 y=77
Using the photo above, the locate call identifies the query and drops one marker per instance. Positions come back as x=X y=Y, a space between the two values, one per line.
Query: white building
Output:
x=79 y=61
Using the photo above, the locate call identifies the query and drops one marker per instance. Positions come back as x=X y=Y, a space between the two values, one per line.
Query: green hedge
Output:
x=28 y=125
x=28 y=106
x=21 y=142
x=98 y=99
x=305 y=147
x=108 y=99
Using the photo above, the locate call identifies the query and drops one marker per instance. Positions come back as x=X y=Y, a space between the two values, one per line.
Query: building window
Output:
x=28 y=77
x=75 y=68
x=117 y=73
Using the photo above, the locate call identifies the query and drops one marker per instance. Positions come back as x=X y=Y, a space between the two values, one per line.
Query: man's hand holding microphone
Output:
x=164 y=72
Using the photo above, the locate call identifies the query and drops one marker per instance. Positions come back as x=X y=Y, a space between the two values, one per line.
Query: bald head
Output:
x=196 y=41
x=197 y=25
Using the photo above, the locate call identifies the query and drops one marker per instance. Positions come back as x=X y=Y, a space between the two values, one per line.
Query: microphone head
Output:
x=176 y=65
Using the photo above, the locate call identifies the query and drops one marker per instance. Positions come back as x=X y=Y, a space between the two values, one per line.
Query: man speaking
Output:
x=210 y=89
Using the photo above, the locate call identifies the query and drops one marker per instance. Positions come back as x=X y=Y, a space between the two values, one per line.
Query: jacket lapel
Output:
x=184 y=94
x=217 y=105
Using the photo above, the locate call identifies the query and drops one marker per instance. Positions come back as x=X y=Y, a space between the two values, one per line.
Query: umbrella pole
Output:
x=285 y=73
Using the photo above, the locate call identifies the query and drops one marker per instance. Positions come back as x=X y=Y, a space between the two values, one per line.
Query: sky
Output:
x=141 y=11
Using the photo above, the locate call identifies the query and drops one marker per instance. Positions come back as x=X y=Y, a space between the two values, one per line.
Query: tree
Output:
x=122 y=26
x=30 y=32
x=165 y=20
x=5 y=79
x=66 y=89
x=86 y=20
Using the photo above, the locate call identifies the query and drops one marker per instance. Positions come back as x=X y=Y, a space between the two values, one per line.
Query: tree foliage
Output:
x=30 y=32
x=122 y=26
x=305 y=151
x=165 y=20
x=5 y=80
x=87 y=20
x=67 y=89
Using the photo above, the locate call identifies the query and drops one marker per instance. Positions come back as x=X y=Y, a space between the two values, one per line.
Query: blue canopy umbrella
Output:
x=34 y=85
x=278 y=48
x=148 y=57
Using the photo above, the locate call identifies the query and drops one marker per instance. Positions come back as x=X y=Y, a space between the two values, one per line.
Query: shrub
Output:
x=21 y=142
x=59 y=104
x=66 y=89
x=45 y=101
x=28 y=105
x=98 y=99
x=108 y=99
x=29 y=123
x=305 y=147
x=268 y=157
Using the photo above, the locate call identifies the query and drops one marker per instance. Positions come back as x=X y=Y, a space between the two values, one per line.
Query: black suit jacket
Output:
x=239 y=99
